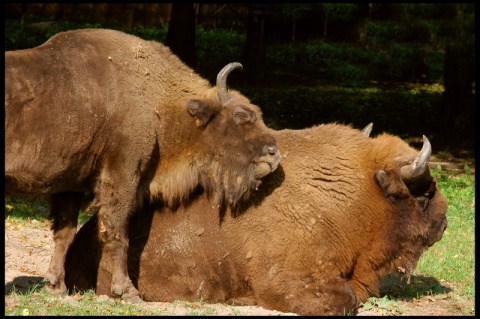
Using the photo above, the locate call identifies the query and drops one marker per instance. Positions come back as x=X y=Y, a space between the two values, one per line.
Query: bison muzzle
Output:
x=102 y=114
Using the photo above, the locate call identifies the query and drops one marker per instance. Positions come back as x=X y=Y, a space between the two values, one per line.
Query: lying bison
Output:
x=340 y=212
x=105 y=113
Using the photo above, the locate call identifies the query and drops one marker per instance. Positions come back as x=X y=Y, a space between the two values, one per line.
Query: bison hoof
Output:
x=57 y=289
x=131 y=296
x=132 y=299
x=129 y=293
x=51 y=279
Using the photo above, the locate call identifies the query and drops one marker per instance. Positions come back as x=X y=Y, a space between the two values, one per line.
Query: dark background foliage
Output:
x=408 y=68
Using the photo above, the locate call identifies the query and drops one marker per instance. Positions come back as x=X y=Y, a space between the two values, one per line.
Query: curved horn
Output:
x=420 y=164
x=367 y=130
x=222 y=80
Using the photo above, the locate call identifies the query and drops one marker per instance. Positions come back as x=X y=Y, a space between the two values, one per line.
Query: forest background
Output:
x=408 y=67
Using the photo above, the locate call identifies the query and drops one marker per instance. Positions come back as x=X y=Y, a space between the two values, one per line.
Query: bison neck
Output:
x=178 y=178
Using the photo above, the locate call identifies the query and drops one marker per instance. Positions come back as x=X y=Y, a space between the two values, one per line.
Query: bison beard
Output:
x=99 y=112
x=341 y=212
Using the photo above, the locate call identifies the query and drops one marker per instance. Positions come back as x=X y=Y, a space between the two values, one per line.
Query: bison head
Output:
x=231 y=149
x=419 y=208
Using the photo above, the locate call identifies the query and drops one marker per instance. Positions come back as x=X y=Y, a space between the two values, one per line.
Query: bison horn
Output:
x=222 y=80
x=367 y=130
x=420 y=164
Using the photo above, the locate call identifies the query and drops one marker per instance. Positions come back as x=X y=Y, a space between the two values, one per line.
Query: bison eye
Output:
x=423 y=200
x=241 y=114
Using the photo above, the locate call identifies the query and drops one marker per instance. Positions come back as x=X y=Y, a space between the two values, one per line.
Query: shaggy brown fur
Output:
x=99 y=111
x=318 y=237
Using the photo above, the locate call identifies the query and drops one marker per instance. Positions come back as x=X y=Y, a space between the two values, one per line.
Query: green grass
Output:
x=384 y=304
x=448 y=267
x=452 y=259
x=42 y=303
x=21 y=209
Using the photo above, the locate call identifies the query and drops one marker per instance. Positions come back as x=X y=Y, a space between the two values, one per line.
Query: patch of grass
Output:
x=452 y=259
x=43 y=303
x=33 y=210
x=384 y=305
x=23 y=208
x=198 y=309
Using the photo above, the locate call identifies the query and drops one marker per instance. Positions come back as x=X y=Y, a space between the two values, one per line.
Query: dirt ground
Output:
x=29 y=247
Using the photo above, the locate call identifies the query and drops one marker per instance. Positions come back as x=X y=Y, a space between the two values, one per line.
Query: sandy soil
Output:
x=28 y=249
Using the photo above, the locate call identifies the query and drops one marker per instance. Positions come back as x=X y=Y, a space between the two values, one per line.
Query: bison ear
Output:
x=391 y=184
x=200 y=111
x=383 y=180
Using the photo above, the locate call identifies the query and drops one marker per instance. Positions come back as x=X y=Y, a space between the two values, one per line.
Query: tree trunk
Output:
x=24 y=13
x=253 y=56
x=457 y=121
x=325 y=26
x=181 y=33
x=294 y=28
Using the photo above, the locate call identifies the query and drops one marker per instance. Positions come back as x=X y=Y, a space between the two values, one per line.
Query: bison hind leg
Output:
x=64 y=209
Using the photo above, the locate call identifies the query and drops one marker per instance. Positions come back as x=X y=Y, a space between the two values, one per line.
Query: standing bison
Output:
x=340 y=212
x=105 y=113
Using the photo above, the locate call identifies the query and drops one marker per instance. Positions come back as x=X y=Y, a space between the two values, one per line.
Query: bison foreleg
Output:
x=64 y=211
x=113 y=231
x=331 y=297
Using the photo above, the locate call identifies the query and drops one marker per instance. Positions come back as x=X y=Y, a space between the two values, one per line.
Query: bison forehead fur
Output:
x=99 y=111
x=319 y=235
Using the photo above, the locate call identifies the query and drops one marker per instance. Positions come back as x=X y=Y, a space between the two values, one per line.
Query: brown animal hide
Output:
x=316 y=239
x=107 y=114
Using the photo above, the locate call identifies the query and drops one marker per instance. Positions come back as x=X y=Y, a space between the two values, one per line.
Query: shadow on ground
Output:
x=419 y=286
x=24 y=284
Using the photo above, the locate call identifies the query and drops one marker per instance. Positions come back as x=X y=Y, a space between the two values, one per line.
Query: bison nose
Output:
x=268 y=161
x=271 y=150
x=271 y=155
